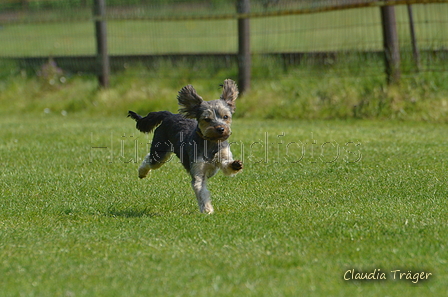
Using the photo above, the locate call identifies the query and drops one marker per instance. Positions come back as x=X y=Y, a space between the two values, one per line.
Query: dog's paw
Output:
x=143 y=171
x=237 y=165
x=207 y=208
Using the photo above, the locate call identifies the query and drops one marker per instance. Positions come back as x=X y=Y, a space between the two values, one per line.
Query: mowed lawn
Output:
x=315 y=200
x=347 y=30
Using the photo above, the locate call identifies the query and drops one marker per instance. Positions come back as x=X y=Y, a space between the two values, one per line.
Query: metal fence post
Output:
x=244 y=58
x=99 y=12
x=391 y=46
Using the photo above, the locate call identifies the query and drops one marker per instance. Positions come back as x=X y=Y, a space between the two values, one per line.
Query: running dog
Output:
x=197 y=135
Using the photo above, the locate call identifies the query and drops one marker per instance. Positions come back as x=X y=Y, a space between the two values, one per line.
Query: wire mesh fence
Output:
x=284 y=35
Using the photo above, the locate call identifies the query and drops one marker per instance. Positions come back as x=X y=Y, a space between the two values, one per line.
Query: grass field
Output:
x=324 y=198
x=354 y=29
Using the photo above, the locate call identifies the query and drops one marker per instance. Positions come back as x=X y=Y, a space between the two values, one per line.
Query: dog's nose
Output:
x=220 y=129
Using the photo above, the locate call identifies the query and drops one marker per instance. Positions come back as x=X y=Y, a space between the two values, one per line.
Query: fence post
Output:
x=415 y=51
x=244 y=57
x=102 y=58
x=25 y=4
x=391 y=46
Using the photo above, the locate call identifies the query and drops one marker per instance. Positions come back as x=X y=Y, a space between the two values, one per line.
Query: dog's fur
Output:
x=198 y=136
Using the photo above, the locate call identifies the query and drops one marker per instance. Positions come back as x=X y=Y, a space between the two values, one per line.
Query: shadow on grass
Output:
x=122 y=213
x=131 y=213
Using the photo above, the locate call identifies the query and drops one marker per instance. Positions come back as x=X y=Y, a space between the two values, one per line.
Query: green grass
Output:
x=76 y=220
x=348 y=30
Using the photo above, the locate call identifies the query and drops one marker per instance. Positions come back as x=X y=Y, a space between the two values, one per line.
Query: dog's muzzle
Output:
x=217 y=133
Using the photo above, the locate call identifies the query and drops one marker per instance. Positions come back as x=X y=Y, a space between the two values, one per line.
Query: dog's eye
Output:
x=225 y=117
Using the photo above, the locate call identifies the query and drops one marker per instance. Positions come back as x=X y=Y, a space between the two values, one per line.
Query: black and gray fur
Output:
x=198 y=136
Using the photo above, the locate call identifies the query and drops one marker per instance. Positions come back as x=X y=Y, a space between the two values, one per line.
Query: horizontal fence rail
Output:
x=333 y=6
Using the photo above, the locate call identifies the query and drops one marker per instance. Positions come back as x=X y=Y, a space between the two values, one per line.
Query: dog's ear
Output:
x=230 y=93
x=189 y=101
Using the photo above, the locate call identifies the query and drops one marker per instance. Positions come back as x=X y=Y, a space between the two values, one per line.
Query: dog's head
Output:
x=214 y=117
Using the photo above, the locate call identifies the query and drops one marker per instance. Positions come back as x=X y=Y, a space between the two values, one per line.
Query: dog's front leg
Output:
x=226 y=163
x=199 y=183
x=202 y=194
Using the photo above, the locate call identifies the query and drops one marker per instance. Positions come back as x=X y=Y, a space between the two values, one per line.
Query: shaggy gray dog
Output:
x=198 y=136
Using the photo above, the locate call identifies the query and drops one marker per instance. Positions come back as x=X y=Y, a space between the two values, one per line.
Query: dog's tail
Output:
x=151 y=121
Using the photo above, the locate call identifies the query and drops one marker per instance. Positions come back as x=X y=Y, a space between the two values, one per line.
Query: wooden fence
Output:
x=243 y=16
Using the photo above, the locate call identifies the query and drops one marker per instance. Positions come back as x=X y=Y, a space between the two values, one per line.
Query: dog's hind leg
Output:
x=144 y=168
x=151 y=163
x=159 y=155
